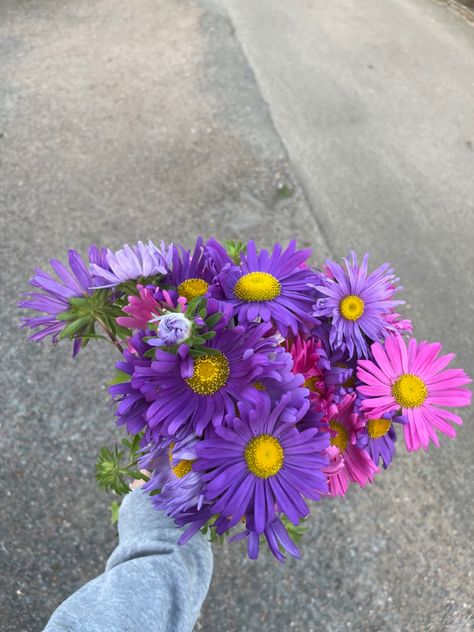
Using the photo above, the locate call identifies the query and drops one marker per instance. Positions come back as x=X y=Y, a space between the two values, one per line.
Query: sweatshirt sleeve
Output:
x=151 y=583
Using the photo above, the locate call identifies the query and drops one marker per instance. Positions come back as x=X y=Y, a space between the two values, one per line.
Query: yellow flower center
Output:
x=264 y=456
x=259 y=386
x=341 y=437
x=257 y=286
x=351 y=307
x=210 y=373
x=378 y=427
x=183 y=467
x=409 y=391
x=192 y=288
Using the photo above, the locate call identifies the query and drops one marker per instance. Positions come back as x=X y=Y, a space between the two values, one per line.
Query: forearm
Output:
x=150 y=582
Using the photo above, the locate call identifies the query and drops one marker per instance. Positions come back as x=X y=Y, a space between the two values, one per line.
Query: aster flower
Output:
x=262 y=465
x=192 y=392
x=378 y=437
x=309 y=360
x=270 y=287
x=132 y=263
x=190 y=273
x=414 y=380
x=358 y=467
x=132 y=406
x=55 y=295
x=357 y=303
x=173 y=328
x=141 y=309
x=280 y=379
x=171 y=462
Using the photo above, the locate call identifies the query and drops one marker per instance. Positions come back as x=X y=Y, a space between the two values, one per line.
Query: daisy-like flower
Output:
x=192 y=392
x=358 y=467
x=132 y=263
x=270 y=287
x=55 y=294
x=190 y=273
x=140 y=309
x=309 y=359
x=357 y=303
x=280 y=379
x=262 y=465
x=378 y=437
x=171 y=463
x=414 y=380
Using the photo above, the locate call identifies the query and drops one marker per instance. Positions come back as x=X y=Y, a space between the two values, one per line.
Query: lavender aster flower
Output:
x=357 y=303
x=132 y=263
x=270 y=287
x=262 y=465
x=180 y=486
x=173 y=328
x=55 y=294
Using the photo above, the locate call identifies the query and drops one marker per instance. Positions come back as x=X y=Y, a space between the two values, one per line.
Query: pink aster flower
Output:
x=306 y=360
x=356 y=466
x=141 y=309
x=415 y=380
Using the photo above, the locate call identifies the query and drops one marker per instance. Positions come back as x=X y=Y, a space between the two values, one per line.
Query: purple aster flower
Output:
x=378 y=437
x=357 y=303
x=270 y=287
x=132 y=405
x=280 y=380
x=180 y=486
x=54 y=295
x=217 y=256
x=132 y=263
x=190 y=273
x=276 y=536
x=262 y=465
x=192 y=392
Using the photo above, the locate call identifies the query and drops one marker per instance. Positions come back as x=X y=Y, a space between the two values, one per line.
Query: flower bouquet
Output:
x=249 y=381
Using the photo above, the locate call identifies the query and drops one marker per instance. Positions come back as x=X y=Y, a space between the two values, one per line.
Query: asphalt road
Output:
x=346 y=125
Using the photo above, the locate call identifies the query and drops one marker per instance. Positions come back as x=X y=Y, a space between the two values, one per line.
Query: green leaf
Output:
x=73 y=327
x=120 y=378
x=114 y=511
x=234 y=248
x=212 y=320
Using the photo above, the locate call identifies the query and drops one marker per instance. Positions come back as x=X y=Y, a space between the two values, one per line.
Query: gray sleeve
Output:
x=151 y=584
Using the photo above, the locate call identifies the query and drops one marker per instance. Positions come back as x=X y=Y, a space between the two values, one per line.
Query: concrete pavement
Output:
x=182 y=117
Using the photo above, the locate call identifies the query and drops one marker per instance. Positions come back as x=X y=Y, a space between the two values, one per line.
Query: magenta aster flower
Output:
x=261 y=465
x=270 y=287
x=132 y=263
x=140 y=309
x=199 y=390
x=54 y=295
x=414 y=380
x=357 y=303
x=358 y=467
